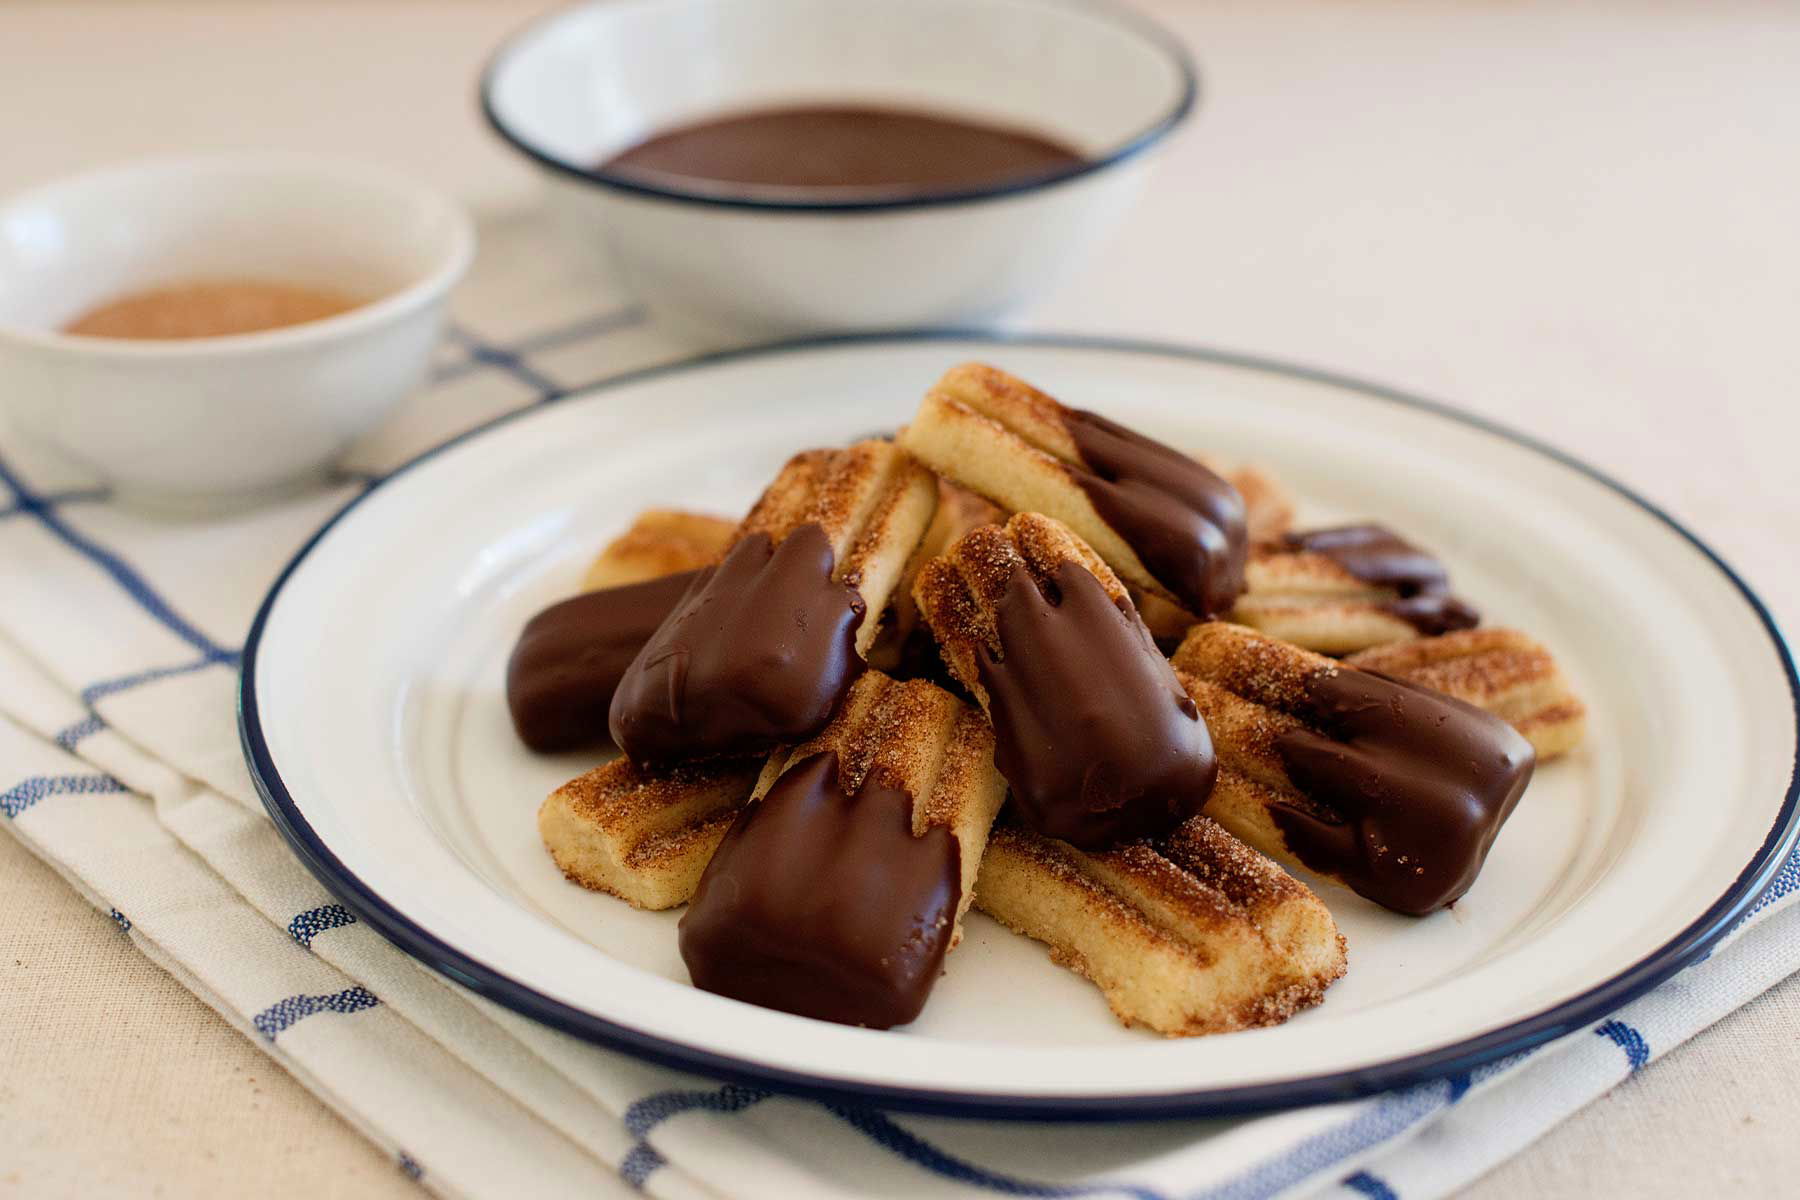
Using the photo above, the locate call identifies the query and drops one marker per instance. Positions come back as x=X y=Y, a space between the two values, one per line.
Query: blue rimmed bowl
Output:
x=582 y=84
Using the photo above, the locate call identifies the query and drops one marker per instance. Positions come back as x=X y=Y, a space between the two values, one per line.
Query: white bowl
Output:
x=209 y=421
x=581 y=84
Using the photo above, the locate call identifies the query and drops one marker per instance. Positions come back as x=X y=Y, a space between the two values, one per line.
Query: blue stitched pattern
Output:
x=95 y=692
x=314 y=921
x=1371 y=1186
x=881 y=1129
x=121 y=920
x=595 y=326
x=1390 y=1115
x=409 y=1167
x=71 y=735
x=1637 y=1050
x=1785 y=883
x=135 y=585
x=509 y=361
x=22 y=796
x=651 y=1111
x=638 y=1164
x=277 y=1017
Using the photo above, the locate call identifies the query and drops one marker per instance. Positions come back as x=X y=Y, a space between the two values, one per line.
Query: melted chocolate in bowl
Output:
x=834 y=148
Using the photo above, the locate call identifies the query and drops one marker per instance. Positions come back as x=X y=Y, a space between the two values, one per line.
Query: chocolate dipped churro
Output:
x=763 y=647
x=1164 y=522
x=1093 y=731
x=1390 y=788
x=842 y=885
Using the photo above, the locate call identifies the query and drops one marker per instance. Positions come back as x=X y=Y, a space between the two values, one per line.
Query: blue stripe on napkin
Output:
x=95 y=692
x=17 y=799
x=70 y=736
x=135 y=585
x=314 y=921
x=510 y=361
x=1637 y=1050
x=1372 y=1186
x=278 y=1017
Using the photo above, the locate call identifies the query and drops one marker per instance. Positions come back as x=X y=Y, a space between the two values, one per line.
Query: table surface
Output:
x=1576 y=219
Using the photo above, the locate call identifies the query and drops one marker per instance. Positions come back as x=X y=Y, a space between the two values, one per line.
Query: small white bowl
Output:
x=198 y=423
x=581 y=84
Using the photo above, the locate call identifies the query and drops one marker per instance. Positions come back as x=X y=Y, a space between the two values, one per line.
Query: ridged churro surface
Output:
x=1347 y=588
x=1164 y=522
x=1194 y=933
x=643 y=836
x=1503 y=671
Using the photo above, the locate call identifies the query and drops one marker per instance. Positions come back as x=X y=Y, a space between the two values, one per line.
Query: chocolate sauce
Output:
x=825 y=904
x=1377 y=555
x=1420 y=782
x=1093 y=733
x=832 y=148
x=569 y=659
x=1186 y=523
x=759 y=652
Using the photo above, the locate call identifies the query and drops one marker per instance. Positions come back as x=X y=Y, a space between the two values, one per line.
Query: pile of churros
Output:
x=1023 y=658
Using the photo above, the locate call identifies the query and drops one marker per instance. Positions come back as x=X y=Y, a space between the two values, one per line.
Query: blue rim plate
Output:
x=261 y=723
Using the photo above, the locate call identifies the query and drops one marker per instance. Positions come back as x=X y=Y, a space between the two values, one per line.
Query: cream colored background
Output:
x=1577 y=219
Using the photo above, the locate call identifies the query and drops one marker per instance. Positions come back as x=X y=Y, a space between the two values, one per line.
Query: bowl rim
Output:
x=1158 y=36
x=386 y=308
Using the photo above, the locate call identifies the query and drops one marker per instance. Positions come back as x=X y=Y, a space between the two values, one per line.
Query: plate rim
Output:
x=1688 y=945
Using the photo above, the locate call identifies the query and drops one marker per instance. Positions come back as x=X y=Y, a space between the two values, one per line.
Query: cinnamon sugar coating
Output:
x=904 y=647
x=1348 y=588
x=874 y=504
x=643 y=836
x=660 y=541
x=1194 y=933
x=1503 y=671
x=998 y=436
x=960 y=591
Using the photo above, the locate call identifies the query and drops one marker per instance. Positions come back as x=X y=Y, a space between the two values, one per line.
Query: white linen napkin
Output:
x=120 y=767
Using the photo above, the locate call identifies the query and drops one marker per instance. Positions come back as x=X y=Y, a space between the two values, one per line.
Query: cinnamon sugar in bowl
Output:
x=209 y=331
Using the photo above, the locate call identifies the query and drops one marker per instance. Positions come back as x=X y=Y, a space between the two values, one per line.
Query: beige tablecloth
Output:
x=1580 y=221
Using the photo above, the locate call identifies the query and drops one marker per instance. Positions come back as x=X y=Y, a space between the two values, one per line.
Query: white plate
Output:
x=375 y=723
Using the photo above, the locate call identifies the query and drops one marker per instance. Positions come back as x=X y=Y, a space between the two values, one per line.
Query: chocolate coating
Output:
x=833 y=147
x=1094 y=734
x=569 y=659
x=1420 y=782
x=825 y=904
x=1187 y=524
x=1377 y=555
x=759 y=652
